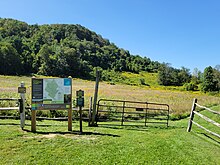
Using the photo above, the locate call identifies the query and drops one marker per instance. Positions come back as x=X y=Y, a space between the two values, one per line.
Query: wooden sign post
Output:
x=80 y=104
x=22 y=91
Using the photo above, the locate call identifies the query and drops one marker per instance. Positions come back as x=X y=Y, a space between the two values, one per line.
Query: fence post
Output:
x=90 y=112
x=22 y=107
x=95 y=98
x=192 y=115
x=123 y=111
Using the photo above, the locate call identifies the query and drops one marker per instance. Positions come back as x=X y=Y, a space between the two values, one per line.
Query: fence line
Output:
x=9 y=108
x=193 y=112
x=207 y=109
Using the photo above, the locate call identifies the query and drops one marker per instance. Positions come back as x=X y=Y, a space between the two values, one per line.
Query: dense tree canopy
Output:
x=62 y=50
x=168 y=75
x=210 y=82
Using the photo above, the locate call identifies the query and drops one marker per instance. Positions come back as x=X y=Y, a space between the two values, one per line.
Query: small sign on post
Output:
x=80 y=98
x=21 y=89
x=80 y=104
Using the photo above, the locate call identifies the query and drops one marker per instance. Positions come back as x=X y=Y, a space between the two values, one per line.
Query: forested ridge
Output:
x=73 y=50
x=61 y=50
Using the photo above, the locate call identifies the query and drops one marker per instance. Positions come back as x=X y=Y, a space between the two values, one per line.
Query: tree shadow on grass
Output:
x=41 y=125
x=9 y=124
x=71 y=132
x=204 y=136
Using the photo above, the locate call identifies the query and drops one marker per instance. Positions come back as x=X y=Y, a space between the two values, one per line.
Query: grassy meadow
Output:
x=107 y=143
x=180 y=101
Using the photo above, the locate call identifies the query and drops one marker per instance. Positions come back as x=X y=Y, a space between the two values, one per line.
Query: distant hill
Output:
x=62 y=50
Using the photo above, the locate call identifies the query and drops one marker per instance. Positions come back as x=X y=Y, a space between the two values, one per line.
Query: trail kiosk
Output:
x=51 y=94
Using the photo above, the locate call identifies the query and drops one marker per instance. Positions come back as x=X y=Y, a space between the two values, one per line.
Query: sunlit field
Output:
x=180 y=102
x=108 y=143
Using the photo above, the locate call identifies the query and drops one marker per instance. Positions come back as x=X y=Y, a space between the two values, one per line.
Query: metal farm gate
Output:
x=131 y=112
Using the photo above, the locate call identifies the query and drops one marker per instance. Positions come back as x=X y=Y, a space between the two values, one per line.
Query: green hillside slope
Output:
x=61 y=50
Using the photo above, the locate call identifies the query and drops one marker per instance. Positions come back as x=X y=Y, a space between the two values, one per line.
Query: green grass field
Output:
x=107 y=143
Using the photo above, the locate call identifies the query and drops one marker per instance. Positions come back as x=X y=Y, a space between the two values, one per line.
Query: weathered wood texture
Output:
x=203 y=117
x=213 y=133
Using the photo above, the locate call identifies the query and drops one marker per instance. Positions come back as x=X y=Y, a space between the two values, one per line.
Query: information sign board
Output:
x=51 y=93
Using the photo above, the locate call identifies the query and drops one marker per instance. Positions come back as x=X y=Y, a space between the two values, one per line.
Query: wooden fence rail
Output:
x=193 y=112
x=9 y=108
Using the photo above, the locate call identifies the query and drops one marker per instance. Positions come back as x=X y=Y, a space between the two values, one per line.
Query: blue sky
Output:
x=180 y=32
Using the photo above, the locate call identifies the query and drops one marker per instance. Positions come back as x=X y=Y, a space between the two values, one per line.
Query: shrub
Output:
x=190 y=87
x=142 y=81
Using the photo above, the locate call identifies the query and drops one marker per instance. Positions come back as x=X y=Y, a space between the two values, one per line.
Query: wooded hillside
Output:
x=62 y=50
x=73 y=50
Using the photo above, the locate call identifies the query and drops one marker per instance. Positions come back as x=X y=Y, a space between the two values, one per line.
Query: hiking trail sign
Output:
x=51 y=94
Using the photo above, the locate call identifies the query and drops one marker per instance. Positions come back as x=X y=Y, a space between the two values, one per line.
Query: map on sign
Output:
x=53 y=90
x=51 y=93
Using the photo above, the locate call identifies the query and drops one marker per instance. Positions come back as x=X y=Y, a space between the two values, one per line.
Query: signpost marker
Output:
x=22 y=91
x=80 y=104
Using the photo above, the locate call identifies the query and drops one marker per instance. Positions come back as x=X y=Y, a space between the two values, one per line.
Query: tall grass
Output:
x=180 y=101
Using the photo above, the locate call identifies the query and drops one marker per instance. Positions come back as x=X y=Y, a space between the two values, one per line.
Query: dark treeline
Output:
x=73 y=50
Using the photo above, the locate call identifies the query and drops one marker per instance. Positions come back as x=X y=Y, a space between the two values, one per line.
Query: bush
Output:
x=142 y=81
x=174 y=117
x=190 y=87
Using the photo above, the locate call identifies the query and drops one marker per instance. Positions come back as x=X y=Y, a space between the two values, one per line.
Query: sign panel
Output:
x=80 y=98
x=51 y=93
x=21 y=89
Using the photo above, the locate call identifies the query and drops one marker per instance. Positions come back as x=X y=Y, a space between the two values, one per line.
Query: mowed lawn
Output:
x=110 y=144
x=106 y=144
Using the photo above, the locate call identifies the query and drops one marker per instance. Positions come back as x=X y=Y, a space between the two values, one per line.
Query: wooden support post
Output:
x=95 y=98
x=70 y=114
x=80 y=119
x=90 y=112
x=33 y=120
x=145 y=121
x=70 y=110
x=192 y=115
x=123 y=111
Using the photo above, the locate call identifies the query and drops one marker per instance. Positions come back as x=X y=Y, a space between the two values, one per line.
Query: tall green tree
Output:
x=217 y=75
x=209 y=83
x=184 y=75
x=165 y=74
x=10 y=63
x=196 y=76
